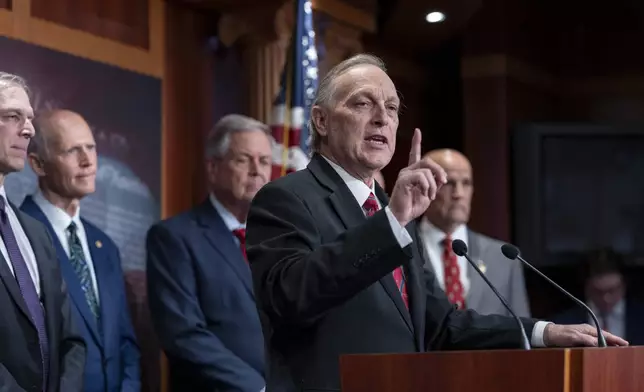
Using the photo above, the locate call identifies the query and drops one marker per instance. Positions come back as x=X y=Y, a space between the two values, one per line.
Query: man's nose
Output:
x=380 y=118
x=28 y=129
x=254 y=167
x=458 y=190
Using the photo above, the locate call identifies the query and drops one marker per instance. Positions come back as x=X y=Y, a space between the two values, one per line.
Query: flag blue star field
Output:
x=298 y=86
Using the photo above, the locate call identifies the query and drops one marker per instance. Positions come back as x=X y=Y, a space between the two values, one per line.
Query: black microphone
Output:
x=512 y=253
x=460 y=249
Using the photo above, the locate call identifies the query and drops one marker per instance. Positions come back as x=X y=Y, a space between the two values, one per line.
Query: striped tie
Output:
x=370 y=207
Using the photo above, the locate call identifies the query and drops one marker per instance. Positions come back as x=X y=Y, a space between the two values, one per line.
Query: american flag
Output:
x=298 y=85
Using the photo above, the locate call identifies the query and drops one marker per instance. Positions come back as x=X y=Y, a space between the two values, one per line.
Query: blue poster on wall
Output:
x=123 y=108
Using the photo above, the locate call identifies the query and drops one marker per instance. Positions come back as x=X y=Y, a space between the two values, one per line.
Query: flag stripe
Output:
x=298 y=85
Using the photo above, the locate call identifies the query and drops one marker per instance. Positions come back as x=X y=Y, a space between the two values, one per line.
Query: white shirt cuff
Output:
x=401 y=234
x=263 y=389
x=537 y=334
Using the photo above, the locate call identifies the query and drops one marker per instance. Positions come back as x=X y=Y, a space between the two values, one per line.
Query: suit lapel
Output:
x=44 y=272
x=103 y=272
x=351 y=214
x=74 y=288
x=221 y=239
x=417 y=295
x=11 y=284
x=388 y=281
x=344 y=204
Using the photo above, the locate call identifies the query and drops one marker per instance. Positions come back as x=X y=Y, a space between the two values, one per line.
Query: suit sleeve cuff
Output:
x=401 y=234
x=538 y=332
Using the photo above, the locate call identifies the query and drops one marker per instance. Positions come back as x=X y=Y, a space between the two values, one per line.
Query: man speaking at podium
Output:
x=334 y=265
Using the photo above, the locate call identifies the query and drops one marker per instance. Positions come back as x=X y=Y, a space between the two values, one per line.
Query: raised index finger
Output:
x=414 y=153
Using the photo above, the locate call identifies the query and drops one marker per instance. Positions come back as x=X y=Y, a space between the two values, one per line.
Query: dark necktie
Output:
x=452 y=275
x=241 y=236
x=370 y=207
x=27 y=286
x=77 y=259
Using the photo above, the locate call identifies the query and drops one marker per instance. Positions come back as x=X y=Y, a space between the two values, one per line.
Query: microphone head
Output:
x=459 y=247
x=510 y=251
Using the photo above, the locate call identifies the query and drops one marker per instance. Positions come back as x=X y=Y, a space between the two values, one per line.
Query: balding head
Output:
x=63 y=155
x=50 y=125
x=453 y=200
x=449 y=159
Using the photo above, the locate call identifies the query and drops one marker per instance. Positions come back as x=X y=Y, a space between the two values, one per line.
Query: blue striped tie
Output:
x=27 y=286
x=77 y=259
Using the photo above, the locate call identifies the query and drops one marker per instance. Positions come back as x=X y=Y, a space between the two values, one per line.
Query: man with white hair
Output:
x=199 y=283
x=40 y=347
x=336 y=262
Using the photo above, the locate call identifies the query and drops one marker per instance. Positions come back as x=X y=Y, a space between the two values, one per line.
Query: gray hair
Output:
x=327 y=87
x=218 y=140
x=10 y=80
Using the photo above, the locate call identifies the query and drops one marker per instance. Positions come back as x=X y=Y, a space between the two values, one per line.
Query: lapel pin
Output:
x=99 y=244
x=481 y=266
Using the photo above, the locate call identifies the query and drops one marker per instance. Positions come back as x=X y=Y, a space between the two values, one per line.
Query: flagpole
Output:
x=288 y=109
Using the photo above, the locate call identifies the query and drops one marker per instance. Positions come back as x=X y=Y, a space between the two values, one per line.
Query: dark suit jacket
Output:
x=634 y=320
x=20 y=360
x=112 y=362
x=202 y=304
x=322 y=274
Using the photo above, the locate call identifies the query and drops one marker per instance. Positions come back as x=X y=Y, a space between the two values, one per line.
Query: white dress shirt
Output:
x=615 y=320
x=361 y=192
x=433 y=238
x=231 y=222
x=23 y=244
x=60 y=221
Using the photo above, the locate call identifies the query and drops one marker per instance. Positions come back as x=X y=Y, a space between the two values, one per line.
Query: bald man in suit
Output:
x=445 y=221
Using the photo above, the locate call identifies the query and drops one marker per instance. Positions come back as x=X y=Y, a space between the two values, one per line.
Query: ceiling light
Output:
x=435 y=17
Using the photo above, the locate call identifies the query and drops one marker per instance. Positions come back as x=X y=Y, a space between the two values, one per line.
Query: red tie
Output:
x=453 y=286
x=371 y=207
x=241 y=236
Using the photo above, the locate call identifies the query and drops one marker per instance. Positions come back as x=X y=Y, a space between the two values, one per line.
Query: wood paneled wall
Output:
x=124 y=21
x=187 y=106
x=22 y=24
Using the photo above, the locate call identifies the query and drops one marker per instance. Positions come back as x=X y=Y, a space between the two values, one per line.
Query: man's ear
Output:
x=37 y=164
x=320 y=119
x=212 y=168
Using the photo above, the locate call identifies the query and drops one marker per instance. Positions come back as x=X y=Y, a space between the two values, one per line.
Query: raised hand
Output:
x=416 y=185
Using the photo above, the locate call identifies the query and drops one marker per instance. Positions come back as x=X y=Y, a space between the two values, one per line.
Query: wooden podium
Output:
x=613 y=369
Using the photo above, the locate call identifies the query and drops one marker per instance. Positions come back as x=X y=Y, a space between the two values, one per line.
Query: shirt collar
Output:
x=436 y=236
x=58 y=218
x=359 y=189
x=229 y=219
